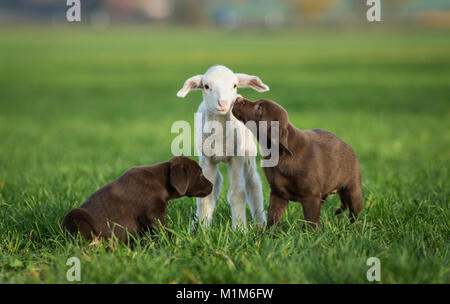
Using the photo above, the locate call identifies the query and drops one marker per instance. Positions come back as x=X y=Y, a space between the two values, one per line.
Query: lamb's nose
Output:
x=222 y=104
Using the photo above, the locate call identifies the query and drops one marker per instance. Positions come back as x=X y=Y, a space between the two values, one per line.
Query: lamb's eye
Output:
x=235 y=86
x=206 y=86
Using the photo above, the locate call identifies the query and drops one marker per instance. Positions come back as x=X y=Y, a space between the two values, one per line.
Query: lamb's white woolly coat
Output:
x=219 y=88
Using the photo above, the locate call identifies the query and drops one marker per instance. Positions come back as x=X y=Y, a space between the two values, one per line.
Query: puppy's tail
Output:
x=79 y=219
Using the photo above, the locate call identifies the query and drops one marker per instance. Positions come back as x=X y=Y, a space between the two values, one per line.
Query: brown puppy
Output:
x=137 y=200
x=312 y=164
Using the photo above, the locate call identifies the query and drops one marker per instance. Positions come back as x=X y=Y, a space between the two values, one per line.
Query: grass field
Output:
x=79 y=107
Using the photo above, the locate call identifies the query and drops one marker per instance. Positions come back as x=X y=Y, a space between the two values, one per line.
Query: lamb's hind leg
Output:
x=236 y=193
x=253 y=191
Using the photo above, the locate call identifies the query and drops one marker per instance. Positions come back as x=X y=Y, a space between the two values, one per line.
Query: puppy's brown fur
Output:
x=137 y=200
x=312 y=165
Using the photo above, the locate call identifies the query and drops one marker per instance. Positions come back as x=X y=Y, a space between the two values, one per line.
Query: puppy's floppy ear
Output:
x=284 y=134
x=179 y=178
x=254 y=82
x=282 y=139
x=193 y=83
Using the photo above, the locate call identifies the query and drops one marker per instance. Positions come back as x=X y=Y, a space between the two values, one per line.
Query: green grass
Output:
x=79 y=107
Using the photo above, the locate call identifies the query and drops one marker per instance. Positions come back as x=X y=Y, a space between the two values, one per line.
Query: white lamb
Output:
x=219 y=87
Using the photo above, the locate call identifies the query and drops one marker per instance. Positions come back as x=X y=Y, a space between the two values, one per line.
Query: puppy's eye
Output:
x=235 y=86
x=206 y=87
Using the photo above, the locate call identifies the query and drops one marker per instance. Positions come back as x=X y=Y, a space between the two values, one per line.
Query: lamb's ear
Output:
x=179 y=178
x=193 y=83
x=254 y=82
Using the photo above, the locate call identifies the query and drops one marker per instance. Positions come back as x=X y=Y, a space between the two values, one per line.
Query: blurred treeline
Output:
x=229 y=13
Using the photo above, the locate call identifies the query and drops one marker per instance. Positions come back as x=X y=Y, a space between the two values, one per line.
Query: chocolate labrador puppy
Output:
x=137 y=200
x=312 y=164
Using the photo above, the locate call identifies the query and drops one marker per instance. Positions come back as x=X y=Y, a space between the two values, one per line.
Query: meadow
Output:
x=79 y=107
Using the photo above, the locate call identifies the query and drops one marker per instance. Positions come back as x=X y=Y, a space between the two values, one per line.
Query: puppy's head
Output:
x=266 y=111
x=186 y=178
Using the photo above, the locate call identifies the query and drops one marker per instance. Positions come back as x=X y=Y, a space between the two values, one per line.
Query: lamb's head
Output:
x=219 y=87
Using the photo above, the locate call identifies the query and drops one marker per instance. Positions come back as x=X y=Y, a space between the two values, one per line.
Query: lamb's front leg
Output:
x=236 y=194
x=254 y=192
x=206 y=205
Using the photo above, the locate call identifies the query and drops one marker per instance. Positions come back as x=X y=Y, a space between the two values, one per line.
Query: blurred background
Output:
x=118 y=69
x=228 y=13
